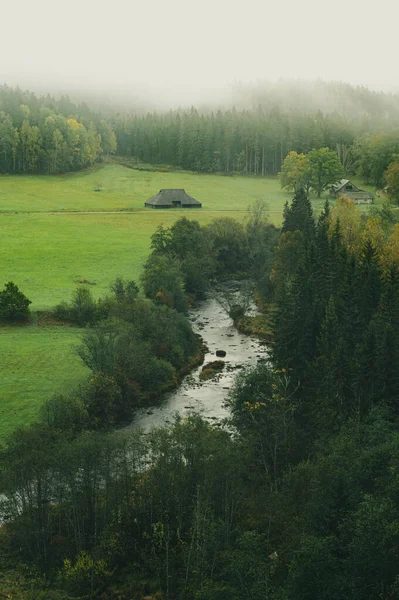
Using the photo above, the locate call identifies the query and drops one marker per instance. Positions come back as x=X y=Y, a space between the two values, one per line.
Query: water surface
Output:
x=208 y=397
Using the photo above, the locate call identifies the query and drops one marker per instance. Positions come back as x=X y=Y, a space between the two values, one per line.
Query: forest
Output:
x=44 y=135
x=295 y=497
x=41 y=135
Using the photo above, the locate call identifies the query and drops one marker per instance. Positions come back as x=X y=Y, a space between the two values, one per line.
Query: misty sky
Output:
x=185 y=49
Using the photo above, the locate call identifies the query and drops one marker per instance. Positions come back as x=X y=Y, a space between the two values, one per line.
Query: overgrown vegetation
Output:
x=134 y=348
x=186 y=259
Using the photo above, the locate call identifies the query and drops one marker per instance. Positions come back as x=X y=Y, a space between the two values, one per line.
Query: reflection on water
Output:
x=208 y=397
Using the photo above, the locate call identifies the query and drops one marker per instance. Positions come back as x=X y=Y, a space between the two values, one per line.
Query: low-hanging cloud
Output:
x=181 y=51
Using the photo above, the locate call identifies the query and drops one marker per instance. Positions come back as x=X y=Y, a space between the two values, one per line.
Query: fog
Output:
x=178 y=52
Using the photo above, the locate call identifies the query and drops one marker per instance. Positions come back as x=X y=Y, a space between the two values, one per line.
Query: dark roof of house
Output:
x=168 y=196
x=340 y=184
x=354 y=194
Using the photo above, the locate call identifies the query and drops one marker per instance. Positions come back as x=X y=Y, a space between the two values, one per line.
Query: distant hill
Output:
x=310 y=96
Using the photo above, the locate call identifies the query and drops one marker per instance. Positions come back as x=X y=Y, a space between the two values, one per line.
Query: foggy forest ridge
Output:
x=306 y=96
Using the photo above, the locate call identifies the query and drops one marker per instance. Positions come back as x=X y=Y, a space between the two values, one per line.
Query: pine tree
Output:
x=299 y=216
x=368 y=283
x=387 y=323
x=329 y=371
x=295 y=325
x=387 y=372
x=366 y=371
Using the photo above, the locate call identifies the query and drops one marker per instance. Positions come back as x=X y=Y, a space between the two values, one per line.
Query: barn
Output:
x=351 y=191
x=172 y=198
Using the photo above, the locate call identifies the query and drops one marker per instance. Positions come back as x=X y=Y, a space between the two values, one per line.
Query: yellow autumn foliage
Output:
x=346 y=211
x=73 y=124
x=374 y=233
x=391 y=250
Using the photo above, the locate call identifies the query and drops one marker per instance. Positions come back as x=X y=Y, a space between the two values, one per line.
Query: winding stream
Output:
x=207 y=397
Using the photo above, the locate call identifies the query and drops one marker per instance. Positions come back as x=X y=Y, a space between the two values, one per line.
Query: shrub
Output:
x=83 y=306
x=124 y=291
x=104 y=401
x=85 y=576
x=163 y=281
x=14 y=305
x=65 y=412
x=83 y=309
x=211 y=369
x=122 y=301
x=62 y=312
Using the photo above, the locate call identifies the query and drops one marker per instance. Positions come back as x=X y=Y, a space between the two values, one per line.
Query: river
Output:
x=207 y=397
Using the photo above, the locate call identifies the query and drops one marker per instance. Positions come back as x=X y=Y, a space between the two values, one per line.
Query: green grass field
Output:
x=128 y=189
x=35 y=362
x=47 y=254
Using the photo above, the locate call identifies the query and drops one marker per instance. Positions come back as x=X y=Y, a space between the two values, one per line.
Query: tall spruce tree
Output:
x=366 y=388
x=329 y=372
x=299 y=215
x=368 y=282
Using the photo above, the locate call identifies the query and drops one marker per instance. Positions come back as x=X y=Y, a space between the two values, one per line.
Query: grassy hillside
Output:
x=47 y=254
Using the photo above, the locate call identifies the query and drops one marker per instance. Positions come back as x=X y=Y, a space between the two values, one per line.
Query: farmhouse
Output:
x=351 y=191
x=172 y=199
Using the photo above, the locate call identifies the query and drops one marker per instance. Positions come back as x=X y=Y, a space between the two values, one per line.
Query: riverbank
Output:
x=210 y=398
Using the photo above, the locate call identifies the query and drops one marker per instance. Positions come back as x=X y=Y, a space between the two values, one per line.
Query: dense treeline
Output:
x=256 y=134
x=41 y=135
x=337 y=329
x=186 y=258
x=300 y=503
x=252 y=141
x=256 y=142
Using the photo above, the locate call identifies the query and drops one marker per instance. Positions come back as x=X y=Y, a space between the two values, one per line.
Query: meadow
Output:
x=57 y=230
x=127 y=189
x=35 y=362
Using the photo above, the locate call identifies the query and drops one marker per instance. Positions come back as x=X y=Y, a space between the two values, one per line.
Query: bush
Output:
x=124 y=291
x=211 y=369
x=169 y=333
x=124 y=295
x=83 y=309
x=104 y=402
x=67 y=413
x=14 y=305
x=86 y=576
x=163 y=281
